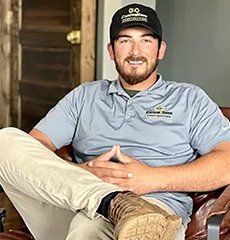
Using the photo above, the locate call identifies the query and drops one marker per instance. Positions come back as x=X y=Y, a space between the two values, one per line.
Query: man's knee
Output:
x=8 y=134
x=6 y=138
x=9 y=142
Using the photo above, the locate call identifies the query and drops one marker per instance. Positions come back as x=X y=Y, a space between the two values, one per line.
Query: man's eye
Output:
x=147 y=40
x=125 y=40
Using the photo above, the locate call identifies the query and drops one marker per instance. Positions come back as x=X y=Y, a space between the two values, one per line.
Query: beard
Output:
x=133 y=77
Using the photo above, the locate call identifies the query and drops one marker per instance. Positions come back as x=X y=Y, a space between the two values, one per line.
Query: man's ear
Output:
x=162 y=50
x=110 y=50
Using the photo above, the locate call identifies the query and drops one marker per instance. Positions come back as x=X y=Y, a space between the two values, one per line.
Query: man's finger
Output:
x=107 y=155
x=110 y=173
x=106 y=164
x=121 y=182
x=121 y=156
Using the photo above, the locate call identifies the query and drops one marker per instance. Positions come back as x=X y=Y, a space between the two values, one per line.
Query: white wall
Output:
x=106 y=8
x=198 y=37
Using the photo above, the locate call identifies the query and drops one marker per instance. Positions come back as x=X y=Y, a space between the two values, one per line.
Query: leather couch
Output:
x=210 y=219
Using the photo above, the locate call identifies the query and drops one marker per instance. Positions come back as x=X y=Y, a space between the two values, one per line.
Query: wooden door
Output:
x=53 y=57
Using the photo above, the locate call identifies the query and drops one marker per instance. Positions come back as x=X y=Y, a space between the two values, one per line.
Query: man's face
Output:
x=136 y=54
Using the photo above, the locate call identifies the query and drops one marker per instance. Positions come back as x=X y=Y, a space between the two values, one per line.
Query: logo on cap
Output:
x=134 y=15
x=134 y=10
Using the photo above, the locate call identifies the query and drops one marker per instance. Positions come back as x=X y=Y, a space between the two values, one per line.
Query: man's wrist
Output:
x=157 y=179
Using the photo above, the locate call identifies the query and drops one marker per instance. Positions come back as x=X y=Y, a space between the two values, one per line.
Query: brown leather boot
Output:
x=136 y=219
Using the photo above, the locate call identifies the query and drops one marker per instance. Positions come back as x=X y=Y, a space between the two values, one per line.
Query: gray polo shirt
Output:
x=170 y=123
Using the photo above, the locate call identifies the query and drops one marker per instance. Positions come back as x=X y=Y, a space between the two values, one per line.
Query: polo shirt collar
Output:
x=158 y=88
x=115 y=87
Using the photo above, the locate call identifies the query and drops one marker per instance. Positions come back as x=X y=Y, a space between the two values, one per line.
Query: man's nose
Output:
x=135 y=50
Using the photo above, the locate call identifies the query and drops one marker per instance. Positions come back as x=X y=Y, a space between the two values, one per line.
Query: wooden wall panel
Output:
x=5 y=20
x=15 y=109
x=39 y=70
x=38 y=14
x=88 y=42
x=30 y=117
x=43 y=92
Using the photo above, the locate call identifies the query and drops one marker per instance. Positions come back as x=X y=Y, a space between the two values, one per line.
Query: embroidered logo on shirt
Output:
x=159 y=112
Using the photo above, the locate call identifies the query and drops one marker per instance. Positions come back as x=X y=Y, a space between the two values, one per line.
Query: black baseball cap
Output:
x=135 y=15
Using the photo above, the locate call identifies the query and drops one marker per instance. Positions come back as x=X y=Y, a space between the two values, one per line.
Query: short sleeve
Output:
x=208 y=125
x=60 y=122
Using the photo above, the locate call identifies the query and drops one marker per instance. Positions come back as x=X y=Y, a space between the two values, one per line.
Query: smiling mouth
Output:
x=139 y=62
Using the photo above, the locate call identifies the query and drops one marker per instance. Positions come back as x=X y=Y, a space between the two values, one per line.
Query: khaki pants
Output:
x=57 y=200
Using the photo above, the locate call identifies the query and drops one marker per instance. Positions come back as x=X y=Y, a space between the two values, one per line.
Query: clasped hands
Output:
x=128 y=173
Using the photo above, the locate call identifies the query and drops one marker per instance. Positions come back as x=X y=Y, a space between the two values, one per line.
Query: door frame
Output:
x=87 y=52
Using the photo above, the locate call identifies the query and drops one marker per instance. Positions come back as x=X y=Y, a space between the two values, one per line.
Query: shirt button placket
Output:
x=130 y=110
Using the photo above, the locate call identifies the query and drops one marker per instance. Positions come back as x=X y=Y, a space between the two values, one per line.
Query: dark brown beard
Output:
x=133 y=77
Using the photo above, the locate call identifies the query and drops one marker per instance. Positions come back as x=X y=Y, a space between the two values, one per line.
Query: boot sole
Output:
x=173 y=224
x=150 y=226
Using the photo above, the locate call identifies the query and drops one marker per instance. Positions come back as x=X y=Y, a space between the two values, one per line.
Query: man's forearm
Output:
x=209 y=172
x=43 y=138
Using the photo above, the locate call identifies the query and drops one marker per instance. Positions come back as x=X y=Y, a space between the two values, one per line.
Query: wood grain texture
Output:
x=47 y=58
x=5 y=22
x=88 y=33
x=14 y=66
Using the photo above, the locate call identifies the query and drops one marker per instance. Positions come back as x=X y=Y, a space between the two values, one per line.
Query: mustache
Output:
x=134 y=58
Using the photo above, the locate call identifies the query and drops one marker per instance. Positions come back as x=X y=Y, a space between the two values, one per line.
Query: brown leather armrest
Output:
x=15 y=235
x=206 y=204
x=222 y=207
x=222 y=204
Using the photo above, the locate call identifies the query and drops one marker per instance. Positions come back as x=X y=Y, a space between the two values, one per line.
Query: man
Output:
x=137 y=135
